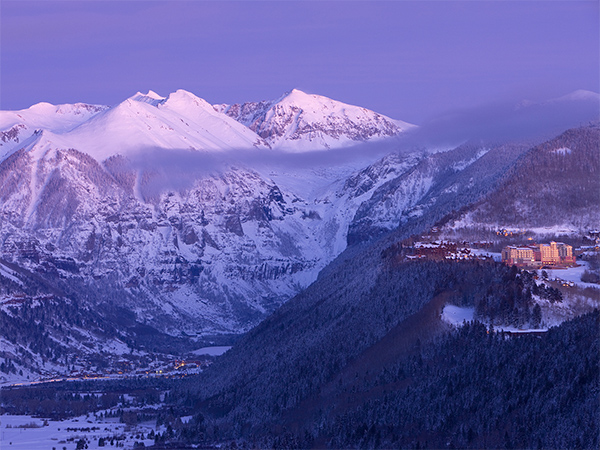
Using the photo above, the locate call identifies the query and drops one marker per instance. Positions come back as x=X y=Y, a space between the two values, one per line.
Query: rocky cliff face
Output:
x=219 y=255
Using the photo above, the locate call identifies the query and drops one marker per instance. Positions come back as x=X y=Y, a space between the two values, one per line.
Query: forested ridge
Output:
x=475 y=390
x=554 y=183
x=374 y=367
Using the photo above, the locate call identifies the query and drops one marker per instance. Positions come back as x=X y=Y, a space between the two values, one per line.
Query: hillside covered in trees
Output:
x=554 y=183
x=372 y=366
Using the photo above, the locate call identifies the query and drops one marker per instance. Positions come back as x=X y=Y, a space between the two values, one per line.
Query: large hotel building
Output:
x=553 y=254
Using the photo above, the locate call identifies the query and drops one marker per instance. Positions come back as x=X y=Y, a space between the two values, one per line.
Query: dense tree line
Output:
x=553 y=182
x=467 y=389
x=60 y=400
x=347 y=364
x=508 y=299
x=474 y=390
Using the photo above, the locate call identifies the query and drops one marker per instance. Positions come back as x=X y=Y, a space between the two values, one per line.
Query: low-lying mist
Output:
x=500 y=122
x=173 y=169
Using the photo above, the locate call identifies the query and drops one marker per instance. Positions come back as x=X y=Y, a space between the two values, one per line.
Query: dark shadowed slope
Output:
x=347 y=364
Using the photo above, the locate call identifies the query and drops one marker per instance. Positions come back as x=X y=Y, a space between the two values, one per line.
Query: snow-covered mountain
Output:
x=81 y=199
x=183 y=121
x=298 y=121
x=18 y=126
x=180 y=121
x=554 y=189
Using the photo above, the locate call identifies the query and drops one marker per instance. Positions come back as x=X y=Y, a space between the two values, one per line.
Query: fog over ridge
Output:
x=492 y=123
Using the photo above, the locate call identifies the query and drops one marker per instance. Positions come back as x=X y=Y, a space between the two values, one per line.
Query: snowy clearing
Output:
x=28 y=433
x=456 y=315
x=571 y=274
x=483 y=252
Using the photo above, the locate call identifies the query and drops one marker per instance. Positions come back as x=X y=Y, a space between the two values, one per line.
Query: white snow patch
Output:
x=10 y=274
x=28 y=433
x=464 y=164
x=483 y=252
x=116 y=346
x=562 y=151
x=456 y=315
x=571 y=275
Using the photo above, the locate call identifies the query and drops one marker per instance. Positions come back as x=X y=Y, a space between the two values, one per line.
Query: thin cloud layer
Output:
x=175 y=169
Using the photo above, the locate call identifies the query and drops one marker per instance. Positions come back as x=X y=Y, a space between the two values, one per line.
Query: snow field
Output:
x=456 y=315
x=28 y=433
x=571 y=274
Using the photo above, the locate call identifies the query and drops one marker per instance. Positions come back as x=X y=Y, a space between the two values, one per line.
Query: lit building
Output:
x=565 y=251
x=518 y=256
x=548 y=253
x=552 y=254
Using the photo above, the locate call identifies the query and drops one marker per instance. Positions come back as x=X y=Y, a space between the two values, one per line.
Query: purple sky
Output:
x=408 y=60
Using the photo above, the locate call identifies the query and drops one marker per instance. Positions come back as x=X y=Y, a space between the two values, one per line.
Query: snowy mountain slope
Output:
x=298 y=121
x=183 y=121
x=212 y=255
x=18 y=126
x=435 y=186
x=555 y=185
x=337 y=204
x=214 y=258
x=67 y=207
x=179 y=121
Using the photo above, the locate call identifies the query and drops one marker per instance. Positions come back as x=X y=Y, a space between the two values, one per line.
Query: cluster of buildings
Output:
x=554 y=254
x=441 y=250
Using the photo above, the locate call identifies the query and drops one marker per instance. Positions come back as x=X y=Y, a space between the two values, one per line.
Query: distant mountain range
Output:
x=221 y=251
x=296 y=121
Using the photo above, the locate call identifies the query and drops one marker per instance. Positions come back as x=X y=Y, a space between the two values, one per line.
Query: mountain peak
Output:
x=42 y=106
x=151 y=97
x=580 y=94
x=299 y=121
x=295 y=94
x=154 y=95
x=184 y=99
x=301 y=98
